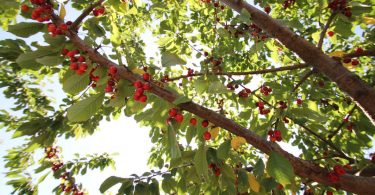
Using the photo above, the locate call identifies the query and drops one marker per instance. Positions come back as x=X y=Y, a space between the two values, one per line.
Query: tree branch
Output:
x=298 y=66
x=84 y=14
x=347 y=81
x=302 y=168
x=369 y=52
x=330 y=136
x=324 y=31
x=304 y=78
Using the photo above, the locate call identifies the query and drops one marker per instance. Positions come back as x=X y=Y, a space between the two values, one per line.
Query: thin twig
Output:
x=304 y=78
x=330 y=136
x=324 y=31
x=369 y=52
x=245 y=73
x=84 y=14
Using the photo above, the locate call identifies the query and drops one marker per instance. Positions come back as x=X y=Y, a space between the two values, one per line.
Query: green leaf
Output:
x=201 y=85
x=74 y=83
x=27 y=60
x=25 y=29
x=83 y=110
x=245 y=16
x=170 y=59
x=50 y=60
x=223 y=150
x=280 y=168
x=200 y=161
x=259 y=168
x=190 y=133
x=41 y=179
x=93 y=25
x=111 y=181
x=181 y=99
x=172 y=143
x=217 y=87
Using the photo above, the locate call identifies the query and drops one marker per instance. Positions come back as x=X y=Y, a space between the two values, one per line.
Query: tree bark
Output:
x=362 y=93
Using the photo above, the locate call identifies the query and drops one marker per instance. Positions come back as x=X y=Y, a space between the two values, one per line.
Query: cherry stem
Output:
x=84 y=14
x=324 y=31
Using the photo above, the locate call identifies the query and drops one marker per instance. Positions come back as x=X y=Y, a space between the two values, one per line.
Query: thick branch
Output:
x=84 y=14
x=302 y=168
x=324 y=31
x=347 y=81
x=370 y=52
x=285 y=68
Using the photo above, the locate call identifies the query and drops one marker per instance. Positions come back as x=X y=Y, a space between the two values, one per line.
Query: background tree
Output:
x=314 y=91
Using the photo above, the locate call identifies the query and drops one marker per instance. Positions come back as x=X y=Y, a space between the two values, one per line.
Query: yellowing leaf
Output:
x=254 y=184
x=138 y=71
x=348 y=66
x=62 y=12
x=369 y=20
x=338 y=54
x=214 y=132
x=237 y=142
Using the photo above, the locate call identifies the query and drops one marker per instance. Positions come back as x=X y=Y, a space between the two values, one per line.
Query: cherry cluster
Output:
x=354 y=62
x=265 y=90
x=68 y=184
x=112 y=80
x=42 y=12
x=215 y=169
x=232 y=86
x=244 y=93
x=206 y=134
x=274 y=135
x=77 y=61
x=262 y=110
x=140 y=89
x=98 y=11
x=288 y=3
x=52 y=154
x=282 y=105
x=176 y=115
x=58 y=30
x=340 y=5
x=165 y=79
x=334 y=176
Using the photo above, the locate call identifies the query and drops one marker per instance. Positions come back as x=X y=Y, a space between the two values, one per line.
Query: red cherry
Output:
x=205 y=123
x=355 y=62
x=138 y=84
x=217 y=172
x=267 y=9
x=143 y=98
x=71 y=54
x=24 y=8
x=347 y=60
x=80 y=72
x=207 y=135
x=179 y=118
x=193 y=121
x=81 y=59
x=299 y=101
x=329 y=193
x=173 y=112
x=321 y=83
x=339 y=170
x=216 y=4
x=330 y=33
x=136 y=97
x=63 y=27
x=333 y=177
x=112 y=70
x=146 y=76
x=82 y=67
x=109 y=89
x=73 y=66
x=146 y=86
x=211 y=166
x=64 y=51
x=359 y=50
x=205 y=53
x=139 y=92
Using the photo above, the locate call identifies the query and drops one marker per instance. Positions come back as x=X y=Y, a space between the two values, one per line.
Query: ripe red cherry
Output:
x=82 y=67
x=193 y=121
x=64 y=51
x=71 y=54
x=355 y=62
x=147 y=86
x=143 y=98
x=207 y=135
x=329 y=193
x=205 y=123
x=24 y=8
x=179 y=118
x=216 y=4
x=173 y=112
x=109 y=89
x=112 y=70
x=146 y=76
x=331 y=33
x=73 y=66
x=81 y=59
x=63 y=27
x=339 y=170
x=333 y=177
x=347 y=60
x=267 y=9
x=359 y=50
x=137 y=84
x=139 y=92
x=299 y=102
x=217 y=172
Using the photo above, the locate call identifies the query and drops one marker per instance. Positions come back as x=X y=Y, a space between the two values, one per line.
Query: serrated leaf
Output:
x=280 y=168
x=27 y=60
x=84 y=109
x=217 y=87
x=74 y=83
x=170 y=59
x=190 y=133
x=200 y=162
x=253 y=182
x=181 y=99
x=259 y=168
x=25 y=29
x=245 y=16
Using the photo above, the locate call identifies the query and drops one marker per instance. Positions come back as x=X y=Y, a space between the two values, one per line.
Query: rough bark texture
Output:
x=305 y=169
x=362 y=93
